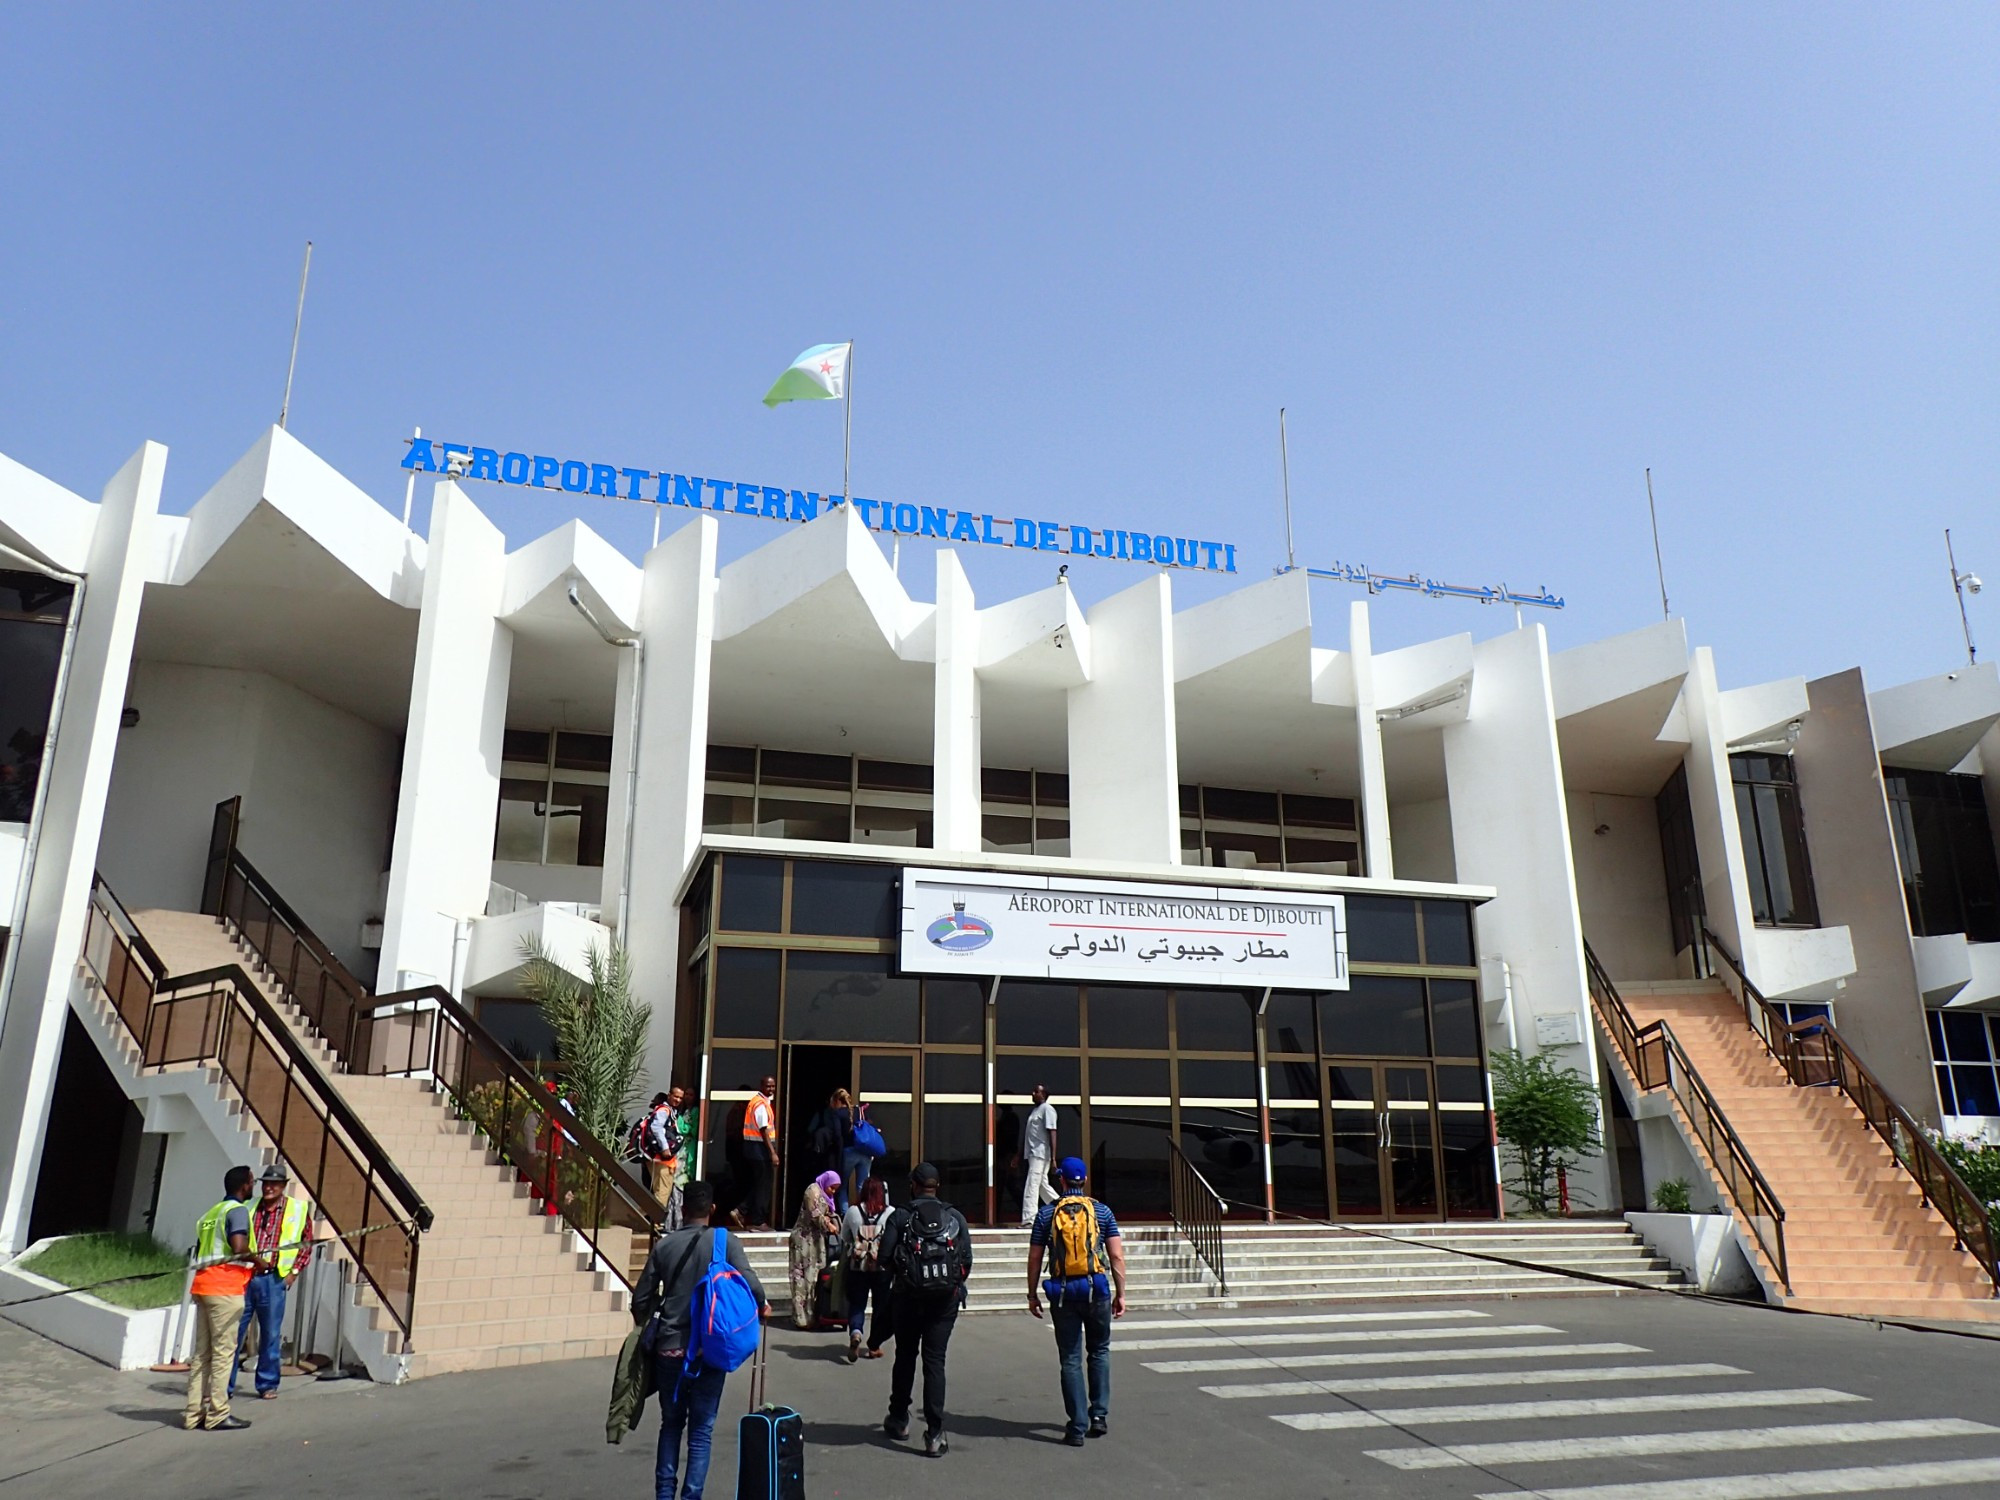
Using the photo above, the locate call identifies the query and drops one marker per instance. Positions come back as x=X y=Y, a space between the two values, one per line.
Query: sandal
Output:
x=872 y=1354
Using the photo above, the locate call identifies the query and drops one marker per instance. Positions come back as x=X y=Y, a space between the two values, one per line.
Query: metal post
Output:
x=1285 y=474
x=410 y=485
x=847 y=425
x=298 y=318
x=1658 y=566
x=1958 y=583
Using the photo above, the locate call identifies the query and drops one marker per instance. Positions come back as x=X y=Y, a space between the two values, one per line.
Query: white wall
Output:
x=318 y=788
x=583 y=884
x=1421 y=834
x=1621 y=883
x=1124 y=764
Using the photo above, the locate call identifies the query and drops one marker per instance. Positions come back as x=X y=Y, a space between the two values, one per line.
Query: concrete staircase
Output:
x=498 y=1283
x=1858 y=1235
x=1281 y=1263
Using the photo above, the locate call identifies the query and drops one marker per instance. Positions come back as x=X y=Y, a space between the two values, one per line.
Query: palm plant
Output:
x=600 y=1030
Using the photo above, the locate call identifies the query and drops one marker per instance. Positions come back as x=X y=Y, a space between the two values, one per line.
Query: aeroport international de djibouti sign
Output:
x=772 y=503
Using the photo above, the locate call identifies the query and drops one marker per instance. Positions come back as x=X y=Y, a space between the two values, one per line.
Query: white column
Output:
x=450 y=799
x=1718 y=837
x=618 y=814
x=79 y=780
x=677 y=628
x=1378 y=860
x=1124 y=760
x=955 y=757
x=1510 y=830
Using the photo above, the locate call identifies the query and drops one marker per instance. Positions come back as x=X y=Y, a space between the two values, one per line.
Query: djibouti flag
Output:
x=819 y=374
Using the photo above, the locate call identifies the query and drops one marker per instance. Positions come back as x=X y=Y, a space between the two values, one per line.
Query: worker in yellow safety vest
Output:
x=280 y=1231
x=224 y=1262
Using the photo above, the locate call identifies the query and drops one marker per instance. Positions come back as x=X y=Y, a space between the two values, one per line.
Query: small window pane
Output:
x=753 y=893
x=721 y=813
x=1288 y=1023
x=1243 y=851
x=1226 y=1146
x=820 y=822
x=518 y=835
x=954 y=1073
x=1128 y=1156
x=1051 y=789
x=583 y=752
x=893 y=776
x=1461 y=1086
x=847 y=997
x=1191 y=802
x=1221 y=802
x=1976 y=1092
x=1007 y=786
x=1298 y=1161
x=1016 y=1074
x=1216 y=1020
x=1052 y=836
x=1448 y=933
x=531 y=745
x=577 y=817
x=1466 y=1144
x=790 y=768
x=1379 y=1017
x=746 y=992
x=1318 y=812
x=1321 y=856
x=732 y=1068
x=1934 y=1023
x=520 y=1027
x=954 y=1011
x=1965 y=1037
x=1030 y=1013
x=1294 y=1078
x=999 y=834
x=1454 y=1018
x=731 y=763
x=1946 y=1101
x=1131 y=1077
x=835 y=900
x=1212 y=1078
x=1382 y=929
x=1127 y=1016
x=34 y=595
x=902 y=827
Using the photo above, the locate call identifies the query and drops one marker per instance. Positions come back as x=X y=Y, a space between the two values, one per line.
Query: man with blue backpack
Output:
x=703 y=1308
x=1078 y=1239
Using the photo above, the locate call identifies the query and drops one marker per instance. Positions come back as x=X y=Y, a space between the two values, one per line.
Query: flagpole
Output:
x=847 y=425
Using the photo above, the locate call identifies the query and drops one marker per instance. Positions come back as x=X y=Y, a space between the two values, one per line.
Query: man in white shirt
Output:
x=1038 y=1148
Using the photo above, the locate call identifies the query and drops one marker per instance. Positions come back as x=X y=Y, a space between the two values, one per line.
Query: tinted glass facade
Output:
x=793 y=974
x=1944 y=848
x=1774 y=840
x=33 y=613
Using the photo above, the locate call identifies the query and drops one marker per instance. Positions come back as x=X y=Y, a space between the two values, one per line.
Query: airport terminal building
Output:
x=1226 y=878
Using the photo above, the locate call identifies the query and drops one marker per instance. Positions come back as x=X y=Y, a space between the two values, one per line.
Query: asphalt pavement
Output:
x=1638 y=1397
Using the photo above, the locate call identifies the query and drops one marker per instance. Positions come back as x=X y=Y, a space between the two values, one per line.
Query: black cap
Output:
x=926 y=1174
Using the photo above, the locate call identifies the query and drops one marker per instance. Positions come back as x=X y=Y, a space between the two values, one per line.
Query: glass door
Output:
x=1385 y=1141
x=886 y=1081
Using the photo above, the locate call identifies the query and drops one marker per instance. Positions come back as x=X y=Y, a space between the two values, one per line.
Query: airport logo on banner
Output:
x=1049 y=927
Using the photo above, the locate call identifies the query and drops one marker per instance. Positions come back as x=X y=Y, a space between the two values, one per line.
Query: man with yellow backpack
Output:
x=1079 y=1240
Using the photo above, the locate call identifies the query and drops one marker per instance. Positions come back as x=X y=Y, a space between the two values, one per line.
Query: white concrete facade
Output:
x=281 y=640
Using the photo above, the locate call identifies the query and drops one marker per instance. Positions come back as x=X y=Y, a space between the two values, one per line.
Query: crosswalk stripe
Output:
x=1276 y=1320
x=1460 y=1380
x=1587 y=1406
x=1386 y=1357
x=1773 y=1486
x=1332 y=1336
x=1642 y=1444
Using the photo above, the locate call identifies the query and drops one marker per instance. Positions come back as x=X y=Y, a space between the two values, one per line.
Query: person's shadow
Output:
x=871 y=1435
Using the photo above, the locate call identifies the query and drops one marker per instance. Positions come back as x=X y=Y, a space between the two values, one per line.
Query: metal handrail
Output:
x=219 y=1016
x=1657 y=1059
x=1813 y=1053
x=427 y=1032
x=1198 y=1211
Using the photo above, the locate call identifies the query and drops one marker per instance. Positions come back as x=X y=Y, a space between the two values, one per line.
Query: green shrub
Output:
x=1671 y=1197
x=1979 y=1164
x=1548 y=1115
x=82 y=1260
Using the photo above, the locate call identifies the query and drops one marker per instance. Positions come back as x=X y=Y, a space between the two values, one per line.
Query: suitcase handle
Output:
x=759 y=1369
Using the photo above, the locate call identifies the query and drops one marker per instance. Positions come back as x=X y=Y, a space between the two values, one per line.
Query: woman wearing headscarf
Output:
x=817 y=1220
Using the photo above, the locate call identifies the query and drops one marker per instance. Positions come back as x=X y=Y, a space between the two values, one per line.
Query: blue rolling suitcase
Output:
x=770 y=1445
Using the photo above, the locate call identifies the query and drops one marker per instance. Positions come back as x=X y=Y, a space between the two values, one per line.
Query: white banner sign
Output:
x=1047 y=927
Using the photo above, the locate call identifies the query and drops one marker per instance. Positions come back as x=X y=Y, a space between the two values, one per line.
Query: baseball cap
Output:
x=925 y=1173
x=275 y=1173
x=1072 y=1169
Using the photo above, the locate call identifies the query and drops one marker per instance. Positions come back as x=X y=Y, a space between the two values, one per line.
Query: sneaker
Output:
x=1100 y=1427
x=895 y=1430
x=1073 y=1439
x=936 y=1445
x=227 y=1424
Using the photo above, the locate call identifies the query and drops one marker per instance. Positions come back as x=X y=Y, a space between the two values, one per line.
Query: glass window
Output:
x=1127 y=1016
x=791 y=768
x=1230 y=806
x=528 y=745
x=955 y=1073
x=1461 y=1086
x=1294 y=1078
x=746 y=992
x=1007 y=786
x=1319 y=812
x=732 y=1069
x=1128 y=1157
x=1965 y=1036
x=1130 y=1077
x=955 y=1011
x=955 y=1143
x=1017 y=1074
x=1380 y=1016
x=1051 y=789
x=1944 y=846
x=847 y=997
x=753 y=893
x=903 y=827
x=1214 y=1078
x=517 y=836
x=731 y=763
x=1977 y=1094
x=577 y=816
x=1031 y=1013
x=1052 y=836
x=1231 y=850
x=520 y=1027
x=1448 y=933
x=34 y=596
x=1002 y=834
x=583 y=752
x=1216 y=1020
x=30 y=653
x=724 y=813
x=1774 y=840
x=1467 y=1147
x=795 y=818
x=1311 y=856
x=835 y=900
x=1288 y=1022
x=1381 y=929
x=1454 y=1018
x=893 y=776
x=1226 y=1146
x=1298 y=1162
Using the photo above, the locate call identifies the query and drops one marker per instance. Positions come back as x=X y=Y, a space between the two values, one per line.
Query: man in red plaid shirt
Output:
x=281 y=1230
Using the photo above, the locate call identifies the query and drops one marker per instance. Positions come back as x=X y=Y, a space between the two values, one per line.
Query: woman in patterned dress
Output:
x=817 y=1219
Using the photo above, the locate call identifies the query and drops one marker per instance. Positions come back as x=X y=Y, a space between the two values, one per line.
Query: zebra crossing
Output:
x=1488 y=1374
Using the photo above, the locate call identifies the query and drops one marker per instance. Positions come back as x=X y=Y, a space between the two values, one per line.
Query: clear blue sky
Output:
x=1495 y=260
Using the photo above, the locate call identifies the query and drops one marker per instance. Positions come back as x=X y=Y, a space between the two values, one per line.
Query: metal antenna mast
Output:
x=1285 y=475
x=298 y=318
x=1960 y=582
x=1658 y=566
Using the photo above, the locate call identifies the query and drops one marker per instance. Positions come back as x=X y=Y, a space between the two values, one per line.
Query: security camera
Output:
x=1972 y=583
x=455 y=464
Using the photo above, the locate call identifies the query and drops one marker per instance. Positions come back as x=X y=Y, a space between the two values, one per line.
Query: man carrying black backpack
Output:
x=928 y=1250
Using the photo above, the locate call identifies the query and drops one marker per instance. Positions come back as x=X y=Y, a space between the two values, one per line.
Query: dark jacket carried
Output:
x=666 y=1286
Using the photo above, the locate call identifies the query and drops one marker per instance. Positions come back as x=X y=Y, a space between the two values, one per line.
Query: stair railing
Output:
x=219 y=1017
x=1813 y=1053
x=1198 y=1211
x=426 y=1032
x=1656 y=1059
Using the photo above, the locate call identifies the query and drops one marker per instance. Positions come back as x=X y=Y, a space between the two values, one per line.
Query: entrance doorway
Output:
x=1385 y=1140
x=883 y=1078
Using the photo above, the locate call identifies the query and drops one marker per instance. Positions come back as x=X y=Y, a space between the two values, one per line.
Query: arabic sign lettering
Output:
x=1046 y=927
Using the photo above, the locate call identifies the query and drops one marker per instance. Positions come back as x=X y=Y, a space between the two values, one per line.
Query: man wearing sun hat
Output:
x=1078 y=1238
